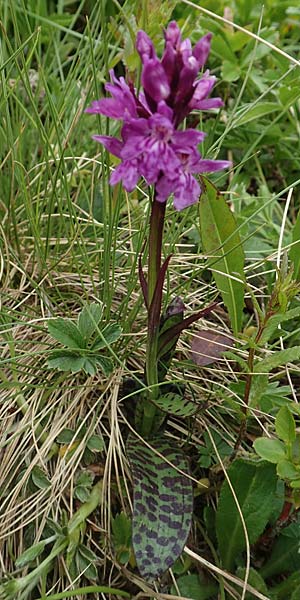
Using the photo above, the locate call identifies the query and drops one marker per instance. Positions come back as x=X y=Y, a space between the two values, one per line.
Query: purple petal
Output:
x=168 y=61
x=187 y=192
x=144 y=46
x=186 y=51
x=173 y=34
x=164 y=110
x=187 y=77
x=155 y=81
x=202 y=49
x=203 y=88
x=184 y=140
x=128 y=173
x=164 y=188
x=206 y=104
x=112 y=144
x=208 y=166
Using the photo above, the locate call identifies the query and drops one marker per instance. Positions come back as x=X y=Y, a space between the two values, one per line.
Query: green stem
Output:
x=154 y=263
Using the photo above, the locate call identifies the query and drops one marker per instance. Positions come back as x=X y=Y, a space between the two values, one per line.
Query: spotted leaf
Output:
x=162 y=504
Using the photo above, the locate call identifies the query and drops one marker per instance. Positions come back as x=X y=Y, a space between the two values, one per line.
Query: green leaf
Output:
x=121 y=529
x=162 y=504
x=296 y=593
x=39 y=478
x=176 y=404
x=96 y=443
x=270 y=449
x=90 y=366
x=64 y=360
x=252 y=114
x=277 y=359
x=285 y=425
x=105 y=364
x=110 y=333
x=287 y=470
x=285 y=557
x=284 y=589
x=295 y=249
x=254 y=579
x=82 y=493
x=88 y=319
x=254 y=485
x=66 y=332
x=195 y=587
x=66 y=436
x=231 y=71
x=30 y=554
x=85 y=560
x=275 y=320
x=222 y=243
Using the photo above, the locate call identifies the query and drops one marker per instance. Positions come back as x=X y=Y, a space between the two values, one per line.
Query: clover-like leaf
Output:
x=88 y=319
x=66 y=332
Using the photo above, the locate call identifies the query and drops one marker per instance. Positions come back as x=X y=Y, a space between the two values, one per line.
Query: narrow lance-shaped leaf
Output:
x=167 y=336
x=222 y=243
x=162 y=504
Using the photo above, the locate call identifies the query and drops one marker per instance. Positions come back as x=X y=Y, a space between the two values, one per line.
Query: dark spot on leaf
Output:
x=163 y=541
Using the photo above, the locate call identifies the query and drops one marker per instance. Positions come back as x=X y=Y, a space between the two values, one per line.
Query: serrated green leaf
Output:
x=30 y=554
x=105 y=364
x=285 y=557
x=277 y=359
x=162 y=504
x=254 y=485
x=222 y=243
x=110 y=333
x=121 y=529
x=275 y=320
x=295 y=249
x=85 y=560
x=96 y=443
x=88 y=319
x=39 y=478
x=270 y=449
x=65 y=361
x=285 y=425
x=66 y=332
x=85 y=478
x=89 y=366
x=287 y=470
x=252 y=114
x=81 y=493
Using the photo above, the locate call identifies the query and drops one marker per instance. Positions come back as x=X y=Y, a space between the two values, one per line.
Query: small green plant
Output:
x=82 y=342
x=283 y=450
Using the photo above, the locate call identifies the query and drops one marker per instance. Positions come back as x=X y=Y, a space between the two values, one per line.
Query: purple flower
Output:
x=151 y=146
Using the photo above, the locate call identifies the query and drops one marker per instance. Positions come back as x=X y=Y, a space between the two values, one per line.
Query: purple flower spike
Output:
x=151 y=145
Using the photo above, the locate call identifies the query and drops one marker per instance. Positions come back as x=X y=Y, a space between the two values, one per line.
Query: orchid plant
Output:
x=154 y=145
